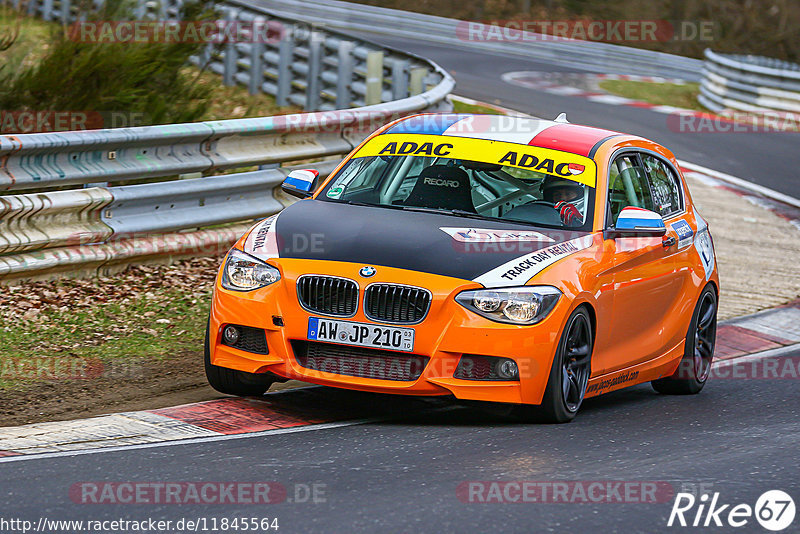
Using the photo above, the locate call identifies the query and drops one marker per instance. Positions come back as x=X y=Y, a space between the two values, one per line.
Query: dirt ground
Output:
x=158 y=384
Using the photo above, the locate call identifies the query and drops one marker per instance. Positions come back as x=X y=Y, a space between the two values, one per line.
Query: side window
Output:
x=664 y=183
x=627 y=186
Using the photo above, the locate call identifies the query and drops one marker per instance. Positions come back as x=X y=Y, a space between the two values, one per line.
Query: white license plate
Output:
x=360 y=334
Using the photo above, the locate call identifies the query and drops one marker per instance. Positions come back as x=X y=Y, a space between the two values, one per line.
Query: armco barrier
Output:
x=100 y=228
x=749 y=83
x=177 y=205
x=30 y=222
x=104 y=257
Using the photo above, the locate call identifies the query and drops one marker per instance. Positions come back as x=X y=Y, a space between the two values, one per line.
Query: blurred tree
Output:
x=147 y=78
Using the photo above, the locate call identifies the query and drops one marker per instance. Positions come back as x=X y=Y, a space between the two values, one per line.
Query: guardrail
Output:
x=587 y=55
x=98 y=229
x=749 y=83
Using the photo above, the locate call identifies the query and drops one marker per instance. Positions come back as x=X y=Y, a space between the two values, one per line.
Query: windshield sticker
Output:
x=336 y=192
x=522 y=269
x=685 y=233
x=571 y=166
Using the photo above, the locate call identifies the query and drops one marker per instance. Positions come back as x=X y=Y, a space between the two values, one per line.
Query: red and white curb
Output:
x=681 y=119
x=534 y=80
x=232 y=418
x=211 y=418
x=215 y=420
x=762 y=331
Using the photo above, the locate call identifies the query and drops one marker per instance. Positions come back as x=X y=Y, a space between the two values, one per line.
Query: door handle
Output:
x=668 y=241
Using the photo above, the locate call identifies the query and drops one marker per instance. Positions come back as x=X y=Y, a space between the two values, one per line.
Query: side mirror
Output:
x=637 y=222
x=301 y=183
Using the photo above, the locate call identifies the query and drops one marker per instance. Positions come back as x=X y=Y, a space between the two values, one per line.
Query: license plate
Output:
x=360 y=334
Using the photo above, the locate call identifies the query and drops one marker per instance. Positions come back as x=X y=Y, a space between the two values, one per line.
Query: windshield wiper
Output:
x=442 y=211
x=367 y=204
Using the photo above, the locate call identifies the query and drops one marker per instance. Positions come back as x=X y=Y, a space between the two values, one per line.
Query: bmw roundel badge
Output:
x=367 y=271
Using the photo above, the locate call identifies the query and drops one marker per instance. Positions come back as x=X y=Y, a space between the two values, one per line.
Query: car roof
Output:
x=573 y=138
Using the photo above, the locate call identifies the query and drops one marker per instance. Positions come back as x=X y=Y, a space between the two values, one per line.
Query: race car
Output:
x=508 y=260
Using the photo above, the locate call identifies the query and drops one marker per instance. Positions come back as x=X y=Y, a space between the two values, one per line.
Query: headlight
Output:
x=515 y=305
x=243 y=272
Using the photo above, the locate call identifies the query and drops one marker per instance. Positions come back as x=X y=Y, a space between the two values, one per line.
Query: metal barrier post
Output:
x=418 y=80
x=257 y=57
x=374 y=78
x=230 y=52
x=399 y=79
x=344 y=75
x=66 y=8
x=285 y=53
x=315 y=42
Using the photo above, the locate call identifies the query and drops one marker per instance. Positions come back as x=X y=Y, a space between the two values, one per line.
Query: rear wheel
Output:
x=233 y=382
x=695 y=366
x=569 y=374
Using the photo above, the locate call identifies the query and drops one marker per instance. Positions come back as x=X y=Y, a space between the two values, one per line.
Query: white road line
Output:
x=744 y=184
x=669 y=110
x=609 y=99
x=764 y=355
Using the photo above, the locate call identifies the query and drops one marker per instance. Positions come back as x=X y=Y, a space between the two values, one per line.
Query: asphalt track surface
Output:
x=769 y=159
x=401 y=472
x=738 y=438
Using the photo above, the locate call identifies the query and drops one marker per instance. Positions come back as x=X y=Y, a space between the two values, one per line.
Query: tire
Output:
x=695 y=366
x=570 y=370
x=231 y=381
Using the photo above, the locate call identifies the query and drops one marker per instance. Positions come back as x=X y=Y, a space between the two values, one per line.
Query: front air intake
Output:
x=328 y=295
x=391 y=303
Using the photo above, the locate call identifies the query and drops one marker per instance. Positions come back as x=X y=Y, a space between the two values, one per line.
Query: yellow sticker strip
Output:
x=570 y=166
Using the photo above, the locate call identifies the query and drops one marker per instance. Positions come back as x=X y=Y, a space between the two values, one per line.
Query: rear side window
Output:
x=664 y=184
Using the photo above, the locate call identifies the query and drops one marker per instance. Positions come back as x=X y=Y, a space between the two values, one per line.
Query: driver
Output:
x=566 y=196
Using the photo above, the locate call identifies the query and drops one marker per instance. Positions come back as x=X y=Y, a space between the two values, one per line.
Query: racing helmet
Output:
x=556 y=189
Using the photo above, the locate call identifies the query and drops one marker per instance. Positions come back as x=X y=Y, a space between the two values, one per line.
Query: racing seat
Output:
x=440 y=186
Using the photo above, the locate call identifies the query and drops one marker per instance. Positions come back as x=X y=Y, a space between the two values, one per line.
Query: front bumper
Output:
x=446 y=333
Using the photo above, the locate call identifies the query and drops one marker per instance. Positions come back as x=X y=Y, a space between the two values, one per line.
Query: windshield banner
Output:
x=571 y=166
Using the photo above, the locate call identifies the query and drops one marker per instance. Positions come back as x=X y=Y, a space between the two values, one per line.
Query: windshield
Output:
x=467 y=188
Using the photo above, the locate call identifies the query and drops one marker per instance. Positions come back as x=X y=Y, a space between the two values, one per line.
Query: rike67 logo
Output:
x=774 y=510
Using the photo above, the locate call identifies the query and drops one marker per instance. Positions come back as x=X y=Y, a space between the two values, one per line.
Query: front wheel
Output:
x=231 y=381
x=569 y=374
x=695 y=366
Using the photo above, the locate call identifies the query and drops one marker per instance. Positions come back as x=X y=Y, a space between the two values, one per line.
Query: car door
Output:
x=643 y=280
x=669 y=199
